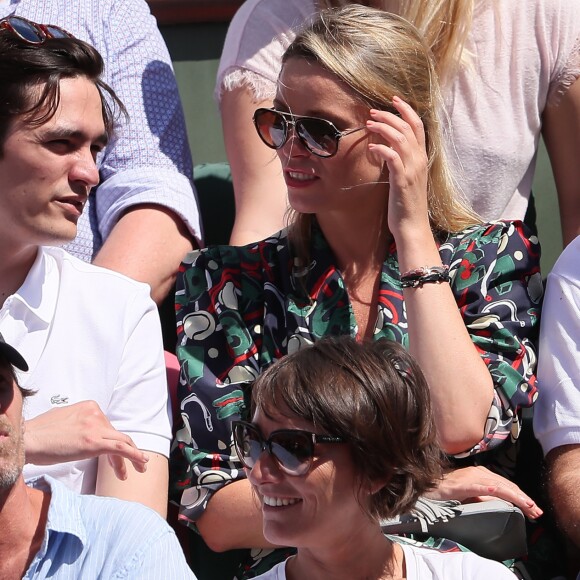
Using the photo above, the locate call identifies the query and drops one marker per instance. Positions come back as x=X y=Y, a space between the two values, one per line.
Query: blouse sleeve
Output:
x=257 y=37
x=496 y=280
x=559 y=31
x=217 y=353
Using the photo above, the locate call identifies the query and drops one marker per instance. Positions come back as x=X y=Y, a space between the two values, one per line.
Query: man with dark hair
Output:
x=142 y=218
x=91 y=336
x=51 y=532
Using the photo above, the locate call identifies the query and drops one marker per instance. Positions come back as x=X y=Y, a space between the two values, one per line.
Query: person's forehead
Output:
x=280 y=418
x=309 y=87
x=79 y=110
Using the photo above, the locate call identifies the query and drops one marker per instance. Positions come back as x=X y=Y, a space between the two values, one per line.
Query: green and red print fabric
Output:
x=241 y=308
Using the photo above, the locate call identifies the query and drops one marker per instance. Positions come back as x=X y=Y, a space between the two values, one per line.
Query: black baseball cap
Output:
x=12 y=355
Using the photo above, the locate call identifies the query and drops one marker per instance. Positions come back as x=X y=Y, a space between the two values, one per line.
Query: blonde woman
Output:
x=509 y=73
x=380 y=246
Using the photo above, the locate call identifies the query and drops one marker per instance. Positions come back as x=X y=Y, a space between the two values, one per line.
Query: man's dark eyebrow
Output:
x=64 y=133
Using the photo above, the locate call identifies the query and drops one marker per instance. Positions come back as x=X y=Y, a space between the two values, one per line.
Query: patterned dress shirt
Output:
x=241 y=308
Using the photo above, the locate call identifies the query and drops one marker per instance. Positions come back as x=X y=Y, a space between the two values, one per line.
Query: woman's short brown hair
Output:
x=375 y=397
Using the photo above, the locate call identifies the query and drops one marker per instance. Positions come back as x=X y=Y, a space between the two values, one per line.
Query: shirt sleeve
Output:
x=556 y=417
x=161 y=558
x=559 y=32
x=148 y=548
x=148 y=160
x=497 y=283
x=139 y=403
x=218 y=313
x=257 y=37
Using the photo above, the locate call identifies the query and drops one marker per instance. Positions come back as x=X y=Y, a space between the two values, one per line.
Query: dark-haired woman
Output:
x=342 y=435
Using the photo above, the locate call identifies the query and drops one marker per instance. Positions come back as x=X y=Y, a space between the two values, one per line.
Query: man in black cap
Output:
x=52 y=532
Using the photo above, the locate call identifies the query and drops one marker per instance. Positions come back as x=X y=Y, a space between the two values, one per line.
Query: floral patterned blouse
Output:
x=241 y=308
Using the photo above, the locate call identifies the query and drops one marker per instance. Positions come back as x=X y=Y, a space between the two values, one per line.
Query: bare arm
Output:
x=147 y=244
x=564 y=486
x=148 y=487
x=461 y=405
x=561 y=131
x=436 y=327
x=220 y=525
x=259 y=186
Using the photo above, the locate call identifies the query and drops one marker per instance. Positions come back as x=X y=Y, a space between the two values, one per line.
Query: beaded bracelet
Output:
x=425 y=275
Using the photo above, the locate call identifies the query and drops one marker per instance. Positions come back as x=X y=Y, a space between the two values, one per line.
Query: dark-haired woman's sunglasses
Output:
x=319 y=136
x=292 y=449
x=31 y=32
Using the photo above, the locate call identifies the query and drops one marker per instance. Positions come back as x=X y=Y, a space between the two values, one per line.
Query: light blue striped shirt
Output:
x=89 y=537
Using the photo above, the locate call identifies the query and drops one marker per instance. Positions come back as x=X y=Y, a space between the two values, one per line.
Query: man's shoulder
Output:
x=124 y=516
x=566 y=265
x=86 y=516
x=97 y=279
x=114 y=534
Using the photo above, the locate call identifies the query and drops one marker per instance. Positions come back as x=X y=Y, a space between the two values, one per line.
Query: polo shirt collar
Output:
x=64 y=512
x=39 y=292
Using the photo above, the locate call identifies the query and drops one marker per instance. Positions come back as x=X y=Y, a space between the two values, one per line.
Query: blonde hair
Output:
x=444 y=25
x=380 y=55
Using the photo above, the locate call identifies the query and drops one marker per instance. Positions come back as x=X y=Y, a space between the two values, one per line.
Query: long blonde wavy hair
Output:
x=380 y=55
x=444 y=24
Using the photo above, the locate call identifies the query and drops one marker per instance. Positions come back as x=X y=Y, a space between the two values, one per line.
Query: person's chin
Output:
x=282 y=533
x=302 y=202
x=61 y=236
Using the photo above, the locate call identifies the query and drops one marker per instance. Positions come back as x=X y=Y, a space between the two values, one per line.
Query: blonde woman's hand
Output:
x=470 y=484
x=401 y=146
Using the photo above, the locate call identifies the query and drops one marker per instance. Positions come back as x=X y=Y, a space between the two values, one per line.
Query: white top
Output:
x=149 y=160
x=524 y=54
x=89 y=334
x=557 y=410
x=426 y=564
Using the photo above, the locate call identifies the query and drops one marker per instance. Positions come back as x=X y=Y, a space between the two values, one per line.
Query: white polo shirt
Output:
x=89 y=333
x=557 y=411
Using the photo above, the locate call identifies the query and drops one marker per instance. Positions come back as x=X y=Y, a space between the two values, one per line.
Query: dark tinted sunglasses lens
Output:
x=56 y=31
x=272 y=128
x=318 y=135
x=293 y=451
x=26 y=30
x=248 y=445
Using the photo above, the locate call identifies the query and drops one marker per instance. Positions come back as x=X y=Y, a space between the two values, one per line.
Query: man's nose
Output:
x=85 y=170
